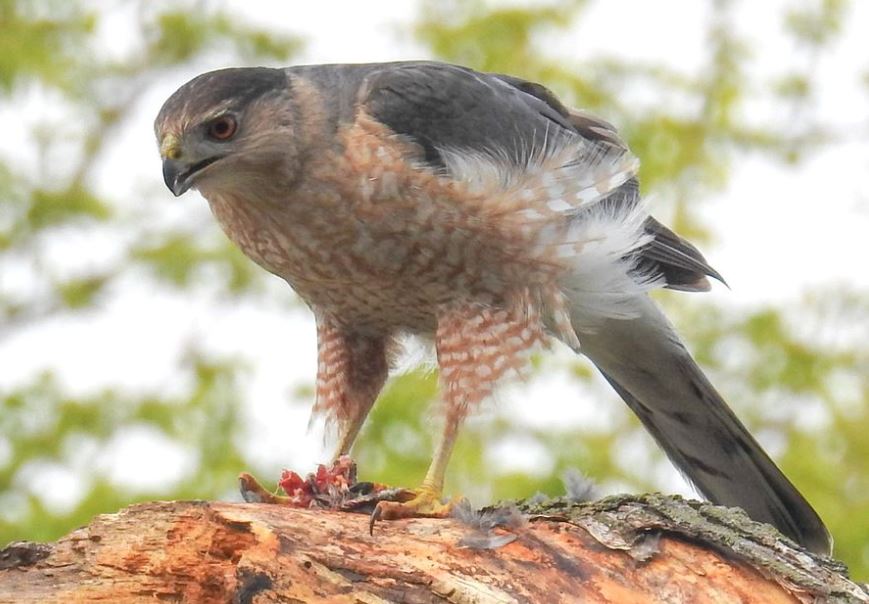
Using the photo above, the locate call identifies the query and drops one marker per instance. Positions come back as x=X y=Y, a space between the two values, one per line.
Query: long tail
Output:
x=650 y=368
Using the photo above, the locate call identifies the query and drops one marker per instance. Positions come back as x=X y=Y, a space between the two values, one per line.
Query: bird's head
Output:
x=224 y=127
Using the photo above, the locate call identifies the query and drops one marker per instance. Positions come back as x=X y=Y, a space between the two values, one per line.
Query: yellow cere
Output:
x=170 y=148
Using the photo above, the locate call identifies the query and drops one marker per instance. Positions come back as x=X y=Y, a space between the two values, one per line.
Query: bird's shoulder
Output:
x=450 y=108
x=446 y=108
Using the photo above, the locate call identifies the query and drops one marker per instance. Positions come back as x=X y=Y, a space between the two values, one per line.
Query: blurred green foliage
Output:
x=777 y=365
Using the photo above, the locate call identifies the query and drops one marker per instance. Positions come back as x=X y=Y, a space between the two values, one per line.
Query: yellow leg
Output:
x=434 y=477
x=427 y=501
x=349 y=430
x=352 y=369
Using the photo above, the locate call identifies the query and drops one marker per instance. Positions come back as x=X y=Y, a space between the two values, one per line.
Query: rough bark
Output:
x=622 y=549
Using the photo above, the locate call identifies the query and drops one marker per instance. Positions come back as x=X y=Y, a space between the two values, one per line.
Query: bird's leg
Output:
x=350 y=425
x=434 y=477
x=348 y=431
x=427 y=499
x=352 y=369
x=476 y=345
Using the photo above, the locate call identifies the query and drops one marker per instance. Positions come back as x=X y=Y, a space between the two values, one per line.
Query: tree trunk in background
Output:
x=620 y=549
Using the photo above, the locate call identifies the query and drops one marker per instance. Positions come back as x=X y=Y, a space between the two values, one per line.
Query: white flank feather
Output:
x=554 y=192
x=603 y=282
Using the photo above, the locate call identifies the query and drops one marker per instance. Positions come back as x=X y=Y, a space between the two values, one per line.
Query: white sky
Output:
x=781 y=230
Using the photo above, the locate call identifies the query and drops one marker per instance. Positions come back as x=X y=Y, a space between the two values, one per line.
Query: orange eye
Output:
x=222 y=128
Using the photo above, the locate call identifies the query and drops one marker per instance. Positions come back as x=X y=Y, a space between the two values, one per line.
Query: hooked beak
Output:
x=179 y=175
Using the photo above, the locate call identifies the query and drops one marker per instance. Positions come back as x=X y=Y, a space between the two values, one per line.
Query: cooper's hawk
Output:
x=476 y=210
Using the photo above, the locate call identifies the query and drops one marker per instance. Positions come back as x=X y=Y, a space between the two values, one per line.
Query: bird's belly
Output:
x=388 y=283
x=372 y=304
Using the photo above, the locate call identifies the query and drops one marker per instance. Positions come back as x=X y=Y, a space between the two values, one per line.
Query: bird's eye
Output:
x=222 y=128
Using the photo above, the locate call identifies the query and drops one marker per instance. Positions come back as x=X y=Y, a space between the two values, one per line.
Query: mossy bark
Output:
x=620 y=549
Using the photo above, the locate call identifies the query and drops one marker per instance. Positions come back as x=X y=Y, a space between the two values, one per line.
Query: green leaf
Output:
x=80 y=293
x=55 y=207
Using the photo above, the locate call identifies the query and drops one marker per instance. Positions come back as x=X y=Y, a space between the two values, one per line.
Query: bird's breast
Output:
x=366 y=270
x=371 y=237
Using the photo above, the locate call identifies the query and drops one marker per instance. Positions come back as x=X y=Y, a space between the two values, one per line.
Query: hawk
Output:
x=475 y=210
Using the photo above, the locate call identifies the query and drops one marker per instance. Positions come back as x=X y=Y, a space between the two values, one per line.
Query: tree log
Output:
x=620 y=549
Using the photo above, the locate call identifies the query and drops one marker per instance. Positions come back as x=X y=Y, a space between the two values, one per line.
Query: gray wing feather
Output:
x=443 y=106
x=667 y=255
x=682 y=264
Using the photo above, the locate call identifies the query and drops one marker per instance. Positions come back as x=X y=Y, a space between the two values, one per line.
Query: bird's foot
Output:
x=425 y=502
x=253 y=492
x=326 y=487
x=329 y=487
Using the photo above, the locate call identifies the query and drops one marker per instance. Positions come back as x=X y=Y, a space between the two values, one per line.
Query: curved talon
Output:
x=375 y=516
x=425 y=503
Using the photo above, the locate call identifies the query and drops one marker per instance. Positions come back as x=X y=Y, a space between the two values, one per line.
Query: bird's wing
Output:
x=666 y=255
x=447 y=109
x=683 y=266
